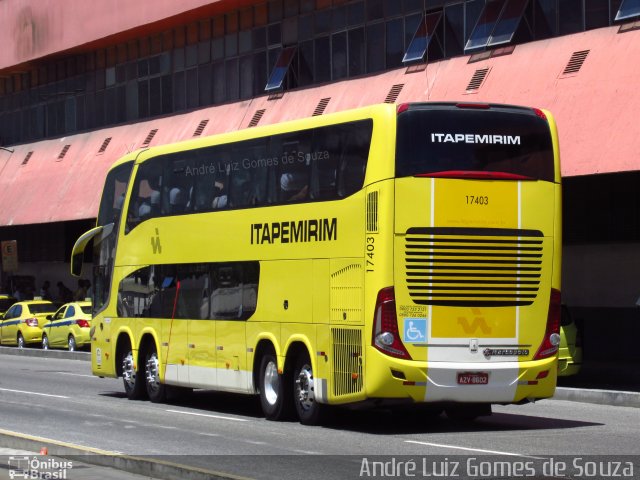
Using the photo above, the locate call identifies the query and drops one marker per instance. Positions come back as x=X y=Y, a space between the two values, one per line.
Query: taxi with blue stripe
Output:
x=22 y=324
x=68 y=327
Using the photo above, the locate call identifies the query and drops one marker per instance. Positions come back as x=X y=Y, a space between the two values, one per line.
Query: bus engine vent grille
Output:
x=473 y=266
x=372 y=212
x=347 y=361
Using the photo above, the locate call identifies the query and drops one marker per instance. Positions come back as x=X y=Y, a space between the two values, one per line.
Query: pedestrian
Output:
x=81 y=293
x=45 y=294
x=64 y=294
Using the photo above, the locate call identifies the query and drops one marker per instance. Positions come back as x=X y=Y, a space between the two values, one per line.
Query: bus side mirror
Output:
x=76 y=264
x=77 y=254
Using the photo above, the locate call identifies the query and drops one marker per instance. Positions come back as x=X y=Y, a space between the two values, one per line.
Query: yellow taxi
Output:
x=22 y=324
x=570 y=351
x=68 y=327
x=5 y=302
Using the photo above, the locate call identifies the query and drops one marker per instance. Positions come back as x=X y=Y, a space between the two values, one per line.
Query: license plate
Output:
x=473 y=378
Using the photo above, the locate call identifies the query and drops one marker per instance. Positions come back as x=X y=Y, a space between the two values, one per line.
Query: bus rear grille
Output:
x=473 y=266
x=347 y=361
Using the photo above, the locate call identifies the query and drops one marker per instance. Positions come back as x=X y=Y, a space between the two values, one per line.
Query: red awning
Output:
x=597 y=111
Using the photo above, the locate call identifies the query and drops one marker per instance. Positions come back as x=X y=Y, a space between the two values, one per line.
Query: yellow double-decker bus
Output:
x=383 y=255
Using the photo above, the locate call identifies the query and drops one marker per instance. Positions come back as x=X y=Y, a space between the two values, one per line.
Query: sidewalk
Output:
x=19 y=463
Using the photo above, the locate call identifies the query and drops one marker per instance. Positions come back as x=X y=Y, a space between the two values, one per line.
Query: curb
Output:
x=34 y=352
x=154 y=468
x=602 y=397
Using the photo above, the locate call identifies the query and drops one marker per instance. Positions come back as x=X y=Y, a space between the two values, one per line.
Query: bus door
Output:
x=193 y=305
x=233 y=300
x=176 y=370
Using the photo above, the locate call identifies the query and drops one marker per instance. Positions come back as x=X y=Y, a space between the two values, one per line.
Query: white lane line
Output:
x=455 y=447
x=76 y=374
x=33 y=393
x=209 y=416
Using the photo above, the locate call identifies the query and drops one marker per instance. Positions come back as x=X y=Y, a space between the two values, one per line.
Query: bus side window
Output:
x=353 y=161
x=324 y=169
x=145 y=200
x=294 y=173
x=179 y=185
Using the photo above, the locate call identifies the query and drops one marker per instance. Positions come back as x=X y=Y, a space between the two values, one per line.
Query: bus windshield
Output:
x=450 y=141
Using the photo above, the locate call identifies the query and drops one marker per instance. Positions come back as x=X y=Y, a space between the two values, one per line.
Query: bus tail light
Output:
x=540 y=113
x=31 y=322
x=83 y=323
x=551 y=340
x=386 y=335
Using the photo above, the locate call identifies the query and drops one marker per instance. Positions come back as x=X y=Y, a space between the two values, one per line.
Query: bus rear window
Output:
x=510 y=142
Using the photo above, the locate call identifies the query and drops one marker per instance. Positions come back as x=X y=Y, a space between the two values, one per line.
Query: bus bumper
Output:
x=425 y=382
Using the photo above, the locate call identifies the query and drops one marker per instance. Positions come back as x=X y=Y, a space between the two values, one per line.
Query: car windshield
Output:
x=41 y=308
x=86 y=309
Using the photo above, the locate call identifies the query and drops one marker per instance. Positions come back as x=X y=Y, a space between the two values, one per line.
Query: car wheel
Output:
x=71 y=343
x=45 y=342
x=156 y=391
x=21 y=342
x=309 y=411
x=275 y=391
x=134 y=385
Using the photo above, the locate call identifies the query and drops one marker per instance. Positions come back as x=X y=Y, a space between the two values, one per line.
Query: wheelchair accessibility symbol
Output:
x=415 y=330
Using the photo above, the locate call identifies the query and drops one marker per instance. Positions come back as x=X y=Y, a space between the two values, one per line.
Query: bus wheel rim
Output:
x=304 y=388
x=152 y=373
x=271 y=383
x=128 y=372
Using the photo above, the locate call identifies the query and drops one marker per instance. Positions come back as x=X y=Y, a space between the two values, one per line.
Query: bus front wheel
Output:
x=275 y=391
x=309 y=411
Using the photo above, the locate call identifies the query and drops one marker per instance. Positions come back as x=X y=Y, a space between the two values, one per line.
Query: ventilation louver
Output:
x=256 y=117
x=200 y=128
x=104 y=145
x=322 y=105
x=476 y=80
x=575 y=62
x=64 y=151
x=393 y=94
x=147 y=140
x=26 y=159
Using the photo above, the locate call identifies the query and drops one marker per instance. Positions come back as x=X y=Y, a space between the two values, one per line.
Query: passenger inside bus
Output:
x=294 y=186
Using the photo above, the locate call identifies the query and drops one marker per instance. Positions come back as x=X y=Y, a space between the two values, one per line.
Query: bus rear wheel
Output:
x=275 y=391
x=134 y=385
x=310 y=412
x=156 y=391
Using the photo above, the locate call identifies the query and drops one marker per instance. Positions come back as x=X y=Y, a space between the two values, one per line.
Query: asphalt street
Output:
x=59 y=399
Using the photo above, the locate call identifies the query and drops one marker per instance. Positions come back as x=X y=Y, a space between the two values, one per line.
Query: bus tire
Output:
x=309 y=411
x=156 y=390
x=134 y=385
x=275 y=390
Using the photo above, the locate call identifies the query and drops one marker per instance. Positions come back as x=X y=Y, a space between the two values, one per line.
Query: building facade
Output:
x=82 y=83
